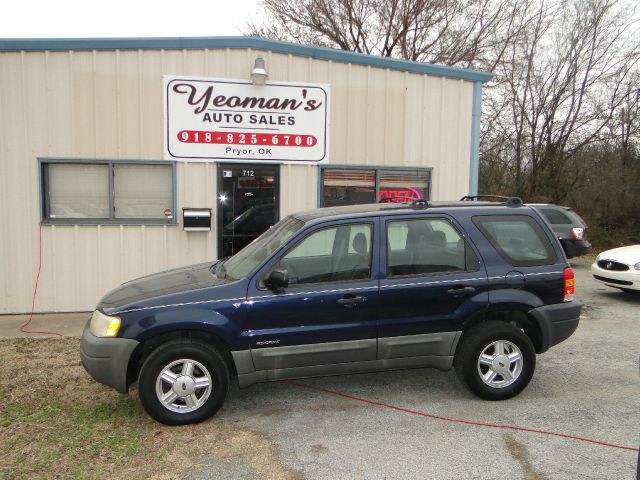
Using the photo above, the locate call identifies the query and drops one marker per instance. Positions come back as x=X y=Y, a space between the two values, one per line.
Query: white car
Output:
x=619 y=268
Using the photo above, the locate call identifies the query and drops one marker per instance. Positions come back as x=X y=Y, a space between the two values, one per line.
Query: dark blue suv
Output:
x=480 y=286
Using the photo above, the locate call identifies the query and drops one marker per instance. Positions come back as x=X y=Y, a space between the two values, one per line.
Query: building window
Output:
x=108 y=192
x=350 y=186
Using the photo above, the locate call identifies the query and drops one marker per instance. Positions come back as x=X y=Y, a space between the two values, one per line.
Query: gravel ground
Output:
x=588 y=386
x=56 y=422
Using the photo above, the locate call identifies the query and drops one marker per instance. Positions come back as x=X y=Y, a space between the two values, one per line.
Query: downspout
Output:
x=474 y=170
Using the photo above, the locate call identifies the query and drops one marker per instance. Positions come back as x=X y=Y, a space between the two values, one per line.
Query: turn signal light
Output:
x=569 y=285
x=112 y=329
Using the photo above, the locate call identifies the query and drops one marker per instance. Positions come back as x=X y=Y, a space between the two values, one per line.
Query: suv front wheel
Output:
x=183 y=381
x=495 y=360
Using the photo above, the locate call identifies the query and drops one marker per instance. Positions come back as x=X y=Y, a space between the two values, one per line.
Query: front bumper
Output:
x=628 y=279
x=106 y=359
x=557 y=322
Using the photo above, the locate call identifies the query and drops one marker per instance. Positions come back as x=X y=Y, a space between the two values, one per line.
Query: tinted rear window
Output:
x=518 y=238
x=556 y=217
x=577 y=217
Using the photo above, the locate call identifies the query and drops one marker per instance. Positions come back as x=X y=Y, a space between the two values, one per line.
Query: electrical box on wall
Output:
x=196 y=219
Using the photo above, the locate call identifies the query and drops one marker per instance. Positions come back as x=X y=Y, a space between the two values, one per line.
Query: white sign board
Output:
x=209 y=119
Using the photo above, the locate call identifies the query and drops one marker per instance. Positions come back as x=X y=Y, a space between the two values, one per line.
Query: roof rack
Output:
x=508 y=201
x=416 y=203
x=420 y=203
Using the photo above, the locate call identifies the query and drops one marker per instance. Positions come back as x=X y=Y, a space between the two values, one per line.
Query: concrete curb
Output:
x=66 y=324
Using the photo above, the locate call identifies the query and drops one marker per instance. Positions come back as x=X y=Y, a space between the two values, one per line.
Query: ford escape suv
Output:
x=479 y=286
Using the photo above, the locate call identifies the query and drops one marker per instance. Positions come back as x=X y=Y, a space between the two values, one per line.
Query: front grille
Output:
x=613 y=280
x=611 y=265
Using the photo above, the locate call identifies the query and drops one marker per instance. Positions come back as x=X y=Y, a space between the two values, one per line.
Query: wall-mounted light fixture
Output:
x=259 y=73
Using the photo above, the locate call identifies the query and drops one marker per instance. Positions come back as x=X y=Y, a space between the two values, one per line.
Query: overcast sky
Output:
x=125 y=18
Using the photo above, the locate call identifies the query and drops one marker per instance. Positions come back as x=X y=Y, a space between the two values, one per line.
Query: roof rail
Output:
x=508 y=201
x=406 y=201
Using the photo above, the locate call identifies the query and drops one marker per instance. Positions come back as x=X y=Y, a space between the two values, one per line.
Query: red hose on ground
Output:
x=23 y=327
x=456 y=420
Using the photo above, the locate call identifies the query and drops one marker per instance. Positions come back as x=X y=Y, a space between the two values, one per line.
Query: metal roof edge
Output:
x=173 y=43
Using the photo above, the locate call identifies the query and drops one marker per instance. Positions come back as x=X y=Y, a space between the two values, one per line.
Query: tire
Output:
x=489 y=339
x=192 y=377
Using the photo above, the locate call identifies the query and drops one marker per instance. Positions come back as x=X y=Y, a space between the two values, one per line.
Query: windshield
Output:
x=259 y=250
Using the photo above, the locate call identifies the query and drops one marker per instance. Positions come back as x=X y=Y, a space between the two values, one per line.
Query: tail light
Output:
x=578 y=233
x=569 y=285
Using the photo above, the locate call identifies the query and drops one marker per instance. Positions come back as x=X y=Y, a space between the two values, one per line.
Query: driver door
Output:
x=327 y=314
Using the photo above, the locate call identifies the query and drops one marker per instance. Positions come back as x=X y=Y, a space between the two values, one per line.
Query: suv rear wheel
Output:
x=495 y=360
x=183 y=381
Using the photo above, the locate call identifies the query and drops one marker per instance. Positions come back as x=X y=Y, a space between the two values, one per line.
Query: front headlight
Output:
x=637 y=266
x=103 y=325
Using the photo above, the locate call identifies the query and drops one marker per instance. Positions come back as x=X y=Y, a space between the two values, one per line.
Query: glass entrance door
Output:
x=248 y=198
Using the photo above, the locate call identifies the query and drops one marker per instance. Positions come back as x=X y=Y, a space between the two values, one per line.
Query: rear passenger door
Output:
x=431 y=280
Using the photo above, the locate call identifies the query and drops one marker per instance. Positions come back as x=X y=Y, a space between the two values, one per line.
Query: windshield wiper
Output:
x=221 y=272
x=217 y=267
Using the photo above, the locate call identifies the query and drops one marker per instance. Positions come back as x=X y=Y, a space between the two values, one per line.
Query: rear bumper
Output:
x=557 y=322
x=575 y=248
x=106 y=359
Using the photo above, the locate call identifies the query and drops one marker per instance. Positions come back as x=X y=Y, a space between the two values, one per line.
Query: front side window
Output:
x=75 y=192
x=254 y=254
x=518 y=239
x=426 y=247
x=335 y=254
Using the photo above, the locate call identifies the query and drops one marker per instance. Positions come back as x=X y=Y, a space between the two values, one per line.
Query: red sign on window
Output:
x=398 y=195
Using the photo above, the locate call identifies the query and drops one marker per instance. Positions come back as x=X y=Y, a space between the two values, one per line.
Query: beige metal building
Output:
x=88 y=176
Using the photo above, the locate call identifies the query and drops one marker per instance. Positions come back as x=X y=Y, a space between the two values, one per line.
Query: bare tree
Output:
x=617 y=166
x=465 y=33
x=564 y=79
x=561 y=117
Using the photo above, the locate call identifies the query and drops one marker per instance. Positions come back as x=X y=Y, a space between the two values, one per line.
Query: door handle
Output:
x=461 y=291
x=350 y=301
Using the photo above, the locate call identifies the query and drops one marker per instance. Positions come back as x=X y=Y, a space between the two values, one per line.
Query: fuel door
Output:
x=514 y=279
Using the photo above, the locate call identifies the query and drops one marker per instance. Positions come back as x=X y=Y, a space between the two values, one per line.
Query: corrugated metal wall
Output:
x=109 y=104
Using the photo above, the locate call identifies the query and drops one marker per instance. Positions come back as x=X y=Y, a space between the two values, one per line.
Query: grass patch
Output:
x=56 y=422
x=75 y=436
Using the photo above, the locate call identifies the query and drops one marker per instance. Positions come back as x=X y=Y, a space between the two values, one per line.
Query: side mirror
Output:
x=277 y=279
